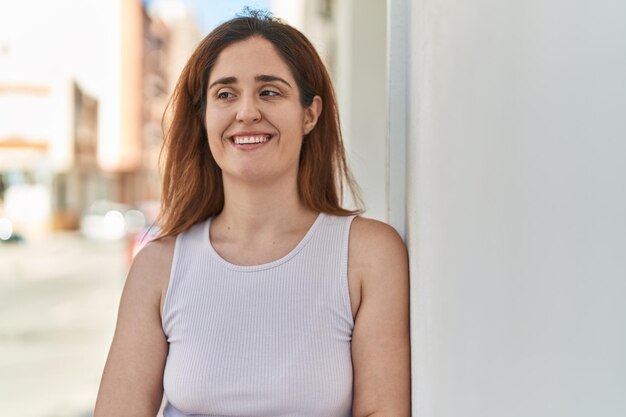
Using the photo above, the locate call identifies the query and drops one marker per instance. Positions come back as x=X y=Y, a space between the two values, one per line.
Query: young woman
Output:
x=263 y=295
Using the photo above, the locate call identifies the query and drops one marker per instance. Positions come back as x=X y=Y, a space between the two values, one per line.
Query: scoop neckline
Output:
x=268 y=265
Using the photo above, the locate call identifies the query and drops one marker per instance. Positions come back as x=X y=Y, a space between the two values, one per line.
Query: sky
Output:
x=210 y=13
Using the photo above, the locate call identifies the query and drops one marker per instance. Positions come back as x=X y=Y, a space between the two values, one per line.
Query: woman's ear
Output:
x=311 y=114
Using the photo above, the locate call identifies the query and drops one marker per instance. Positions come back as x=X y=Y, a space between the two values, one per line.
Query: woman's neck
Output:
x=259 y=224
x=253 y=209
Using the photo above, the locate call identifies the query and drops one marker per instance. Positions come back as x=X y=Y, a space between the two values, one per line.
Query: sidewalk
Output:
x=58 y=305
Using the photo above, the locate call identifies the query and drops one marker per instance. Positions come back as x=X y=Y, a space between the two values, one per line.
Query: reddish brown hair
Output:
x=192 y=180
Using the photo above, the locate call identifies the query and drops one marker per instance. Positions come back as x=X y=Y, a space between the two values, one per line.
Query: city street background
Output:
x=58 y=305
x=83 y=89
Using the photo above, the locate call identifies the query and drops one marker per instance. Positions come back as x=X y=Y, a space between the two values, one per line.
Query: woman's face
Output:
x=254 y=120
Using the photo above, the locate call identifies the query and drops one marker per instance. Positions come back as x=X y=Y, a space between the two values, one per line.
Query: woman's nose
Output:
x=248 y=111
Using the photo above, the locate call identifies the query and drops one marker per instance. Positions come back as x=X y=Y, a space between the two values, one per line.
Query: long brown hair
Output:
x=192 y=180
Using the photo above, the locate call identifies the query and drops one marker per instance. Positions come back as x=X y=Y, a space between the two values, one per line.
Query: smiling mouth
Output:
x=250 y=140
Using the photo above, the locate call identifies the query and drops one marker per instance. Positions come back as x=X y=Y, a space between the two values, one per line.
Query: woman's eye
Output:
x=270 y=93
x=224 y=95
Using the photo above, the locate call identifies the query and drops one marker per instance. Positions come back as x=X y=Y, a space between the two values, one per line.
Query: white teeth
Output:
x=241 y=140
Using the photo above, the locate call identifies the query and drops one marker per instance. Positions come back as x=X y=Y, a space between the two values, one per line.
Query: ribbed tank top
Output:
x=264 y=340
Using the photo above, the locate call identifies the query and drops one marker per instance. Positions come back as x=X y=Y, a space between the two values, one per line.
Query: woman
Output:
x=262 y=296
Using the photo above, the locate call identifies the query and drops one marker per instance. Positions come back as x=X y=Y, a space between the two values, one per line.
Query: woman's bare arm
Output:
x=378 y=266
x=132 y=382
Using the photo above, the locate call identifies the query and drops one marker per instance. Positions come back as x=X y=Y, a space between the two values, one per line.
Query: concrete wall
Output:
x=361 y=83
x=517 y=207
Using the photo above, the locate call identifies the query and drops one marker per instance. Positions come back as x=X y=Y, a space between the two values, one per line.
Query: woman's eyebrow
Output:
x=224 y=80
x=259 y=78
x=269 y=78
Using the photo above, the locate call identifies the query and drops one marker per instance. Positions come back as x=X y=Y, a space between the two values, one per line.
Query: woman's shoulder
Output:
x=150 y=269
x=155 y=254
x=370 y=235
x=375 y=247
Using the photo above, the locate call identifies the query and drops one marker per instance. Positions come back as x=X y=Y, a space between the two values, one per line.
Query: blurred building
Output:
x=156 y=93
x=183 y=35
x=170 y=34
x=48 y=151
x=74 y=189
x=81 y=102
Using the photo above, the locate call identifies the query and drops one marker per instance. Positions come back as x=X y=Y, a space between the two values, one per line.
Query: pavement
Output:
x=58 y=306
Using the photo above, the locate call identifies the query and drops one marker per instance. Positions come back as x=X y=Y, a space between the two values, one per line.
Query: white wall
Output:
x=361 y=83
x=517 y=207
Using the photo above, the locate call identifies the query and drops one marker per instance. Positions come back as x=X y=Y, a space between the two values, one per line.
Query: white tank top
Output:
x=271 y=340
